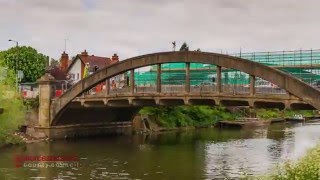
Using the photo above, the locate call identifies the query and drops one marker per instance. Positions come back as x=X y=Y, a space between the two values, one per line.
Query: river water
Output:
x=192 y=154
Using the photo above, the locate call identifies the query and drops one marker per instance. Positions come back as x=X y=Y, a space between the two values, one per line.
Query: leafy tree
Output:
x=14 y=110
x=26 y=59
x=184 y=47
x=54 y=63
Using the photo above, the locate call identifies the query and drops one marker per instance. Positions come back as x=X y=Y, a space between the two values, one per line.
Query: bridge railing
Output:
x=269 y=90
x=172 y=88
x=203 y=88
x=124 y=90
x=235 y=89
x=146 y=89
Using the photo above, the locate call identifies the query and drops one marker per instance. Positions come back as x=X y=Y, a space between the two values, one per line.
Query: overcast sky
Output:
x=135 y=27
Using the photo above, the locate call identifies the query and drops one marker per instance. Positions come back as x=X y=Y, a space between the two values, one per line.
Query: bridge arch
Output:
x=285 y=81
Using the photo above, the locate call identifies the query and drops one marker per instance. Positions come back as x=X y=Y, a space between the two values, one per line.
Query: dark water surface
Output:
x=192 y=154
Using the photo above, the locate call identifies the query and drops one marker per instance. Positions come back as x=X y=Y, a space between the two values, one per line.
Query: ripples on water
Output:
x=196 y=154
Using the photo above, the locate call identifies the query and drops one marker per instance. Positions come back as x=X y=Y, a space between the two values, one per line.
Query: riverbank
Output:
x=187 y=116
x=162 y=118
x=12 y=117
x=306 y=168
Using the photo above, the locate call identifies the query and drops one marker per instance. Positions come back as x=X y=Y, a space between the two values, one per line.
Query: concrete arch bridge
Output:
x=74 y=108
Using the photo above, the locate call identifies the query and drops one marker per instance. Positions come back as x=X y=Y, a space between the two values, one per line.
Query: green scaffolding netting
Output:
x=291 y=62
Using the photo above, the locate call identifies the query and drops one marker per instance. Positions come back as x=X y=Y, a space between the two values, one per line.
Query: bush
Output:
x=13 y=115
x=31 y=103
x=268 y=113
x=184 y=116
x=306 y=168
x=306 y=113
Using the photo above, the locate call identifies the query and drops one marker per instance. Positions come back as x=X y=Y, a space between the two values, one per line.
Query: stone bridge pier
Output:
x=79 y=122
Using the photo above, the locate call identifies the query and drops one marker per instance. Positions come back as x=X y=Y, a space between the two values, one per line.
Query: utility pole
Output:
x=65 y=44
x=17 y=45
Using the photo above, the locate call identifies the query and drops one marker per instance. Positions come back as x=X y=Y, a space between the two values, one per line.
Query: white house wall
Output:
x=75 y=71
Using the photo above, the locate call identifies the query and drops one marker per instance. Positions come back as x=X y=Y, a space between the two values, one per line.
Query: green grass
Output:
x=276 y=113
x=305 y=113
x=193 y=116
x=13 y=115
x=187 y=116
x=307 y=167
x=268 y=113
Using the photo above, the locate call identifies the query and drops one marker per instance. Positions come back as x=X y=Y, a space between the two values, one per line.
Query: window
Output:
x=77 y=75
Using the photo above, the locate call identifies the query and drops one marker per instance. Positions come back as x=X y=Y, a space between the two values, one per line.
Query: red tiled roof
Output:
x=57 y=73
x=101 y=62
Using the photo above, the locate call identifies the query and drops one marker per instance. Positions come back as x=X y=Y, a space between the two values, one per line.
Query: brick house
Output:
x=75 y=68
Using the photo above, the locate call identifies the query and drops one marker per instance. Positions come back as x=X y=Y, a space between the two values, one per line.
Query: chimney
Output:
x=64 y=61
x=84 y=53
x=115 y=58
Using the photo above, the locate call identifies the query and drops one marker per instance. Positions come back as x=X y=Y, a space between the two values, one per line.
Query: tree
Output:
x=26 y=59
x=54 y=63
x=184 y=47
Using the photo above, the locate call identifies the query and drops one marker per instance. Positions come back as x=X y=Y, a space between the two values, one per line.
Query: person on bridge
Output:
x=113 y=85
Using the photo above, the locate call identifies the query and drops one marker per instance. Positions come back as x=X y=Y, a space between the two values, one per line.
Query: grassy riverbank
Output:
x=198 y=116
x=12 y=117
x=308 y=167
x=276 y=113
x=187 y=116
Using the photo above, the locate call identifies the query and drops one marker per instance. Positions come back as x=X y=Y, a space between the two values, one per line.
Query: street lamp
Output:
x=17 y=45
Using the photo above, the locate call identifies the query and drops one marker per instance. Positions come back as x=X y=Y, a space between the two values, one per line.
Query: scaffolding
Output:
x=303 y=64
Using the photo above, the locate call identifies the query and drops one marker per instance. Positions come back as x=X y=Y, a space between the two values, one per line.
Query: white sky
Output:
x=132 y=28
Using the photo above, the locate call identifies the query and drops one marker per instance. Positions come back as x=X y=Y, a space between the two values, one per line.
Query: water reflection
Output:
x=193 y=154
x=260 y=153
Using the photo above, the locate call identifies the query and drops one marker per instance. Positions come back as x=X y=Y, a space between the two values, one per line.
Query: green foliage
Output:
x=54 y=63
x=26 y=59
x=268 y=113
x=185 y=116
x=306 y=168
x=306 y=113
x=31 y=103
x=13 y=115
x=276 y=113
x=7 y=76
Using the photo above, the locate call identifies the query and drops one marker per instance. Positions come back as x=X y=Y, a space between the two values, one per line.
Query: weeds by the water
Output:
x=307 y=168
x=186 y=116
x=12 y=117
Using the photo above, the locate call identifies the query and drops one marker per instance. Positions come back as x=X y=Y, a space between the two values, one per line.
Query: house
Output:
x=75 y=68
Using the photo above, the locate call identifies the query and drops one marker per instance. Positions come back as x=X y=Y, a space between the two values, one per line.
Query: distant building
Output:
x=75 y=68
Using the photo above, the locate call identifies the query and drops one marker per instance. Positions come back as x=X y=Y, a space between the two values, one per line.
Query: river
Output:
x=191 y=154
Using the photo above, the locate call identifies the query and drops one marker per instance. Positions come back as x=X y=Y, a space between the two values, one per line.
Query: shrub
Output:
x=306 y=168
x=13 y=115
x=183 y=116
